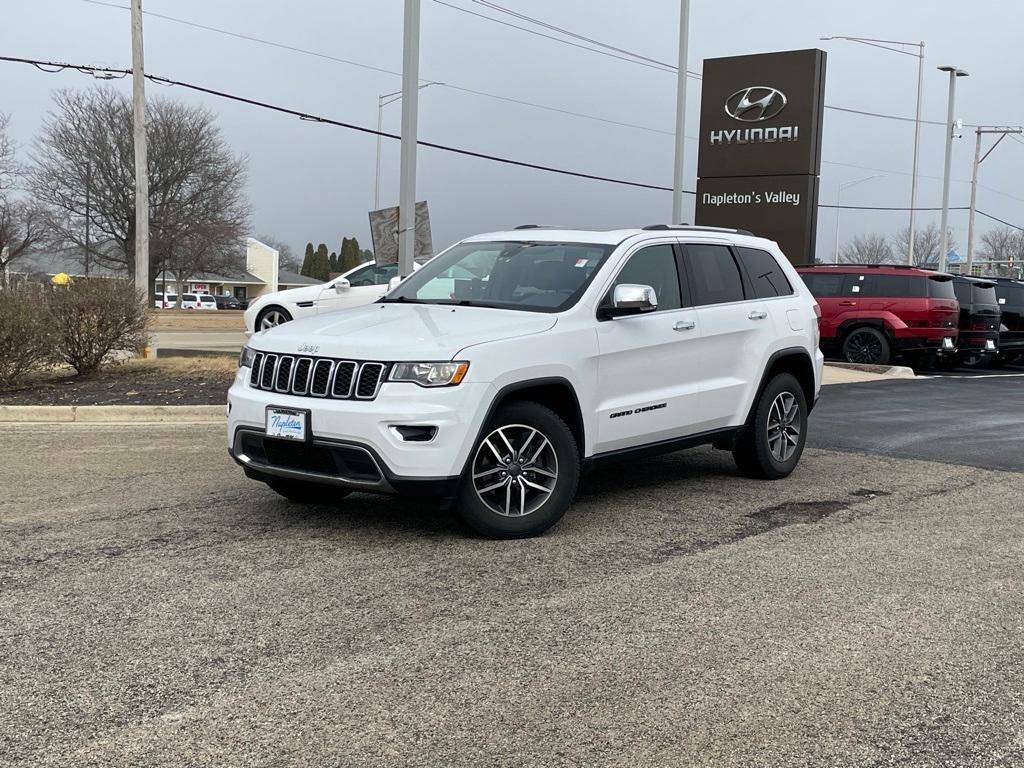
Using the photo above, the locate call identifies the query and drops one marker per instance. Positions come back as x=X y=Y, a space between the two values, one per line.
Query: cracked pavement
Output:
x=158 y=609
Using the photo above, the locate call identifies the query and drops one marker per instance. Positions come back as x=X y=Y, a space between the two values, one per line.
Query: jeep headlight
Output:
x=245 y=357
x=430 y=374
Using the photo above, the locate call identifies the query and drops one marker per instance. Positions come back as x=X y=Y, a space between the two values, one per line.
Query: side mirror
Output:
x=628 y=299
x=394 y=282
x=341 y=285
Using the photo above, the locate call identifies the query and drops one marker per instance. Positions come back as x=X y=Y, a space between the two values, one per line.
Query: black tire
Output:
x=523 y=465
x=308 y=493
x=755 y=453
x=280 y=312
x=866 y=345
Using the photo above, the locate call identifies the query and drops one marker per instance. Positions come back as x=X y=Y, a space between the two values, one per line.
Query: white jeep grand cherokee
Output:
x=551 y=351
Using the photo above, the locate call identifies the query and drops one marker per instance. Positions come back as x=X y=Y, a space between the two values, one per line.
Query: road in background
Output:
x=161 y=610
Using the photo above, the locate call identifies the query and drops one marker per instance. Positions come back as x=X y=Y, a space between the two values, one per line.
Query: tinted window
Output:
x=894 y=285
x=716 y=278
x=764 y=272
x=654 y=266
x=1010 y=294
x=941 y=289
x=963 y=291
x=188 y=297
x=823 y=285
x=984 y=294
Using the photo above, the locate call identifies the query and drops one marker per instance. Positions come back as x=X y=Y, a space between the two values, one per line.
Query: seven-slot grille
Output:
x=317 y=376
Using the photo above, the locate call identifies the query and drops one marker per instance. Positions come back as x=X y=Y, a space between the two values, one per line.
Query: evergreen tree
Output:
x=334 y=262
x=320 y=268
x=349 y=256
x=307 y=260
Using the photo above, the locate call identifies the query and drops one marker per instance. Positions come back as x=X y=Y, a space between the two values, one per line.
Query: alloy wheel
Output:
x=515 y=470
x=273 y=318
x=864 y=347
x=784 y=424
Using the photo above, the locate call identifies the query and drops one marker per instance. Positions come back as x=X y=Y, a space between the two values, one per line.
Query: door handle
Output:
x=847 y=303
x=684 y=325
x=758 y=315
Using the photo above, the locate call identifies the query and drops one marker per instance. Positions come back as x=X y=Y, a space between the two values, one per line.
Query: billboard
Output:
x=759 y=150
x=384 y=232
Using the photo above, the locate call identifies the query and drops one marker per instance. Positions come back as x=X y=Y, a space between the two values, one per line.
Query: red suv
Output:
x=870 y=314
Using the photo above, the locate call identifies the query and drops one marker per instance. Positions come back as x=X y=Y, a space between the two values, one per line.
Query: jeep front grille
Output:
x=317 y=376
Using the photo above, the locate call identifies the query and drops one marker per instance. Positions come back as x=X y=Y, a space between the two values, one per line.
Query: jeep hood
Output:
x=391 y=331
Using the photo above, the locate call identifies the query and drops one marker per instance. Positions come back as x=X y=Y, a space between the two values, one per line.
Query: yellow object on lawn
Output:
x=61 y=278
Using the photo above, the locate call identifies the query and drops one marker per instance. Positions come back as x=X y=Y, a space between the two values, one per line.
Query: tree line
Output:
x=320 y=265
x=1004 y=244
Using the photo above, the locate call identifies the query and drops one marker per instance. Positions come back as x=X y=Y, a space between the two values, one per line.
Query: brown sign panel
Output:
x=781 y=208
x=762 y=114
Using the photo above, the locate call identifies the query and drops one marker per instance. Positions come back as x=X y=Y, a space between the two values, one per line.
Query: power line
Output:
x=53 y=67
x=996 y=218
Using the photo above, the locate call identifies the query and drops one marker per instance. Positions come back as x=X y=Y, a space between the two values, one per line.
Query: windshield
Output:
x=537 y=277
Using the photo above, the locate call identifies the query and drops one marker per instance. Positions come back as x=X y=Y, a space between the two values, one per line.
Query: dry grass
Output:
x=190 y=320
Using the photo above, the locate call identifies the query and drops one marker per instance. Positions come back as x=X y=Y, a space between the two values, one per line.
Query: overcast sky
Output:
x=315 y=182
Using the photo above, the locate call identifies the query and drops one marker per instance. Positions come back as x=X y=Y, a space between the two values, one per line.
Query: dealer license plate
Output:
x=286 y=423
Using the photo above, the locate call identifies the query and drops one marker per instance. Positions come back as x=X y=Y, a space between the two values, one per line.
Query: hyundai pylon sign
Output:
x=760 y=146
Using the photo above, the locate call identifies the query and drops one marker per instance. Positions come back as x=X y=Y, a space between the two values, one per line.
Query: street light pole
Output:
x=954 y=73
x=978 y=160
x=141 y=171
x=839 y=205
x=677 y=176
x=886 y=45
x=407 y=171
x=381 y=103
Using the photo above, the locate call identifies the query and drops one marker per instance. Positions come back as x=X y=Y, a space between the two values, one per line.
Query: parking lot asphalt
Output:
x=160 y=610
x=972 y=418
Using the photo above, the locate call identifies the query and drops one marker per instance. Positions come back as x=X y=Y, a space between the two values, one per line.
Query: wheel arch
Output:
x=793 y=360
x=554 y=392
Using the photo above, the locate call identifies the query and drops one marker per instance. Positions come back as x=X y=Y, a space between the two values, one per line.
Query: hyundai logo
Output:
x=754 y=104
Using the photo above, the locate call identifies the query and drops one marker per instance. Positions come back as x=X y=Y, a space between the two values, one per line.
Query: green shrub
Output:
x=26 y=335
x=94 y=319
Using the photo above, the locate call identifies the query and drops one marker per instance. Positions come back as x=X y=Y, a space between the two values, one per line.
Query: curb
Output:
x=111 y=414
x=894 y=371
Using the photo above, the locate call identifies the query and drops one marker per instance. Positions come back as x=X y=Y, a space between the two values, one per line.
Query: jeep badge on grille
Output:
x=309 y=349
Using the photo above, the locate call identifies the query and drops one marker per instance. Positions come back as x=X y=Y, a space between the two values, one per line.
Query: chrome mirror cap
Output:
x=634 y=298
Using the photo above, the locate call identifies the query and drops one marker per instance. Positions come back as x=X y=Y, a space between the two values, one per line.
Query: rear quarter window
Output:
x=895 y=286
x=766 y=276
x=941 y=289
x=823 y=285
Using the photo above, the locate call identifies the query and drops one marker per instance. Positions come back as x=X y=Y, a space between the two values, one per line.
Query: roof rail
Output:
x=539 y=226
x=695 y=228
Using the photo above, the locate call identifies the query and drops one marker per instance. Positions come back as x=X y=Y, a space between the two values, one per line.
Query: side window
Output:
x=654 y=266
x=363 y=276
x=716 y=277
x=823 y=285
x=385 y=272
x=905 y=286
x=855 y=285
x=765 y=273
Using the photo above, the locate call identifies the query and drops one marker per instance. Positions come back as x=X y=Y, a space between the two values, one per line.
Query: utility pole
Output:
x=978 y=160
x=954 y=73
x=88 y=213
x=677 y=176
x=141 y=171
x=407 y=172
x=917 y=141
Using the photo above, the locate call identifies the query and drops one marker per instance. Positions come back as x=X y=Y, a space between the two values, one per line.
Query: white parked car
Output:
x=361 y=285
x=198 y=301
x=513 y=361
x=165 y=301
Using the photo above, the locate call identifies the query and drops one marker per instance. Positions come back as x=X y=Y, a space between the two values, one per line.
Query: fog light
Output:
x=414 y=434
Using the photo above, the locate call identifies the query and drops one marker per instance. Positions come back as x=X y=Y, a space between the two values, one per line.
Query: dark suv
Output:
x=979 y=319
x=870 y=314
x=1010 y=295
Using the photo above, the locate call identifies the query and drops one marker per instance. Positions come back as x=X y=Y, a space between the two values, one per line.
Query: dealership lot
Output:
x=161 y=610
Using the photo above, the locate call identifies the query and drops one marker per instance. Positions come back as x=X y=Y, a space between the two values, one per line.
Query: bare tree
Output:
x=196 y=186
x=867 y=249
x=1004 y=244
x=927 y=243
x=286 y=256
x=20 y=220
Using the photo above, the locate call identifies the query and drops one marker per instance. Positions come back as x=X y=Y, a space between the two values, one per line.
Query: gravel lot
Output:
x=158 y=609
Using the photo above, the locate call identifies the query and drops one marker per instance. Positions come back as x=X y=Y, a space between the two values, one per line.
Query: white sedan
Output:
x=362 y=285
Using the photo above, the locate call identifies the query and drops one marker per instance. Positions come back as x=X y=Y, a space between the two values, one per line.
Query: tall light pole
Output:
x=887 y=45
x=954 y=74
x=410 y=105
x=978 y=160
x=839 y=204
x=382 y=101
x=677 y=176
x=141 y=173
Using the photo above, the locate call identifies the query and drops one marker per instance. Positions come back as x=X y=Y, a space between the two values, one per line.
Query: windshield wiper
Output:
x=403 y=300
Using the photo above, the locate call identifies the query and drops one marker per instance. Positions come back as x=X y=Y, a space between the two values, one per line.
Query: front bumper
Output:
x=366 y=426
